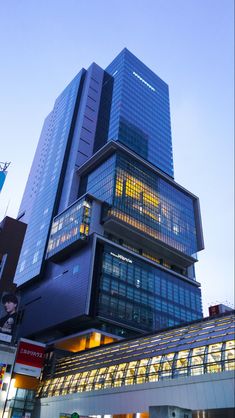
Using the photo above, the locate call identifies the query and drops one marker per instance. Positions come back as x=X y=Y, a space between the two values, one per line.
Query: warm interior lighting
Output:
x=131 y=187
x=83 y=342
x=146 y=229
x=65 y=227
x=149 y=369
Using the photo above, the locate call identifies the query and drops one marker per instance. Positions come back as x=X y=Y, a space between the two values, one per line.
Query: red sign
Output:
x=29 y=358
x=214 y=310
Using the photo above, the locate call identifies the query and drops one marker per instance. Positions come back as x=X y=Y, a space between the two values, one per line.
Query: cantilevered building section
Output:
x=112 y=239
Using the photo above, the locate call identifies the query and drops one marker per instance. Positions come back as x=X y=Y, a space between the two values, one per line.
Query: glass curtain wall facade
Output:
x=140 y=111
x=53 y=160
x=143 y=295
x=147 y=202
x=70 y=226
x=103 y=172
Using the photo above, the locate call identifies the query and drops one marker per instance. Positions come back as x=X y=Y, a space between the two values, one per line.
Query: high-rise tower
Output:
x=112 y=239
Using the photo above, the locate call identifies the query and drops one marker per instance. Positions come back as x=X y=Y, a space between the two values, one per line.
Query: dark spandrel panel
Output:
x=60 y=299
x=102 y=128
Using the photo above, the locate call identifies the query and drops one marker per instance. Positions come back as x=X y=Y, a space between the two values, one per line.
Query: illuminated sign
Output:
x=121 y=257
x=30 y=358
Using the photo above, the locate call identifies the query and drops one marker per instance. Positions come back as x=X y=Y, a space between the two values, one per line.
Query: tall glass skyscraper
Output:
x=112 y=239
x=140 y=114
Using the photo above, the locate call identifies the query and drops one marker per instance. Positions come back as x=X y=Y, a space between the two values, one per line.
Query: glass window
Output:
x=142 y=371
x=35 y=257
x=120 y=374
x=197 y=361
x=154 y=368
x=229 y=355
x=130 y=374
x=167 y=362
x=181 y=363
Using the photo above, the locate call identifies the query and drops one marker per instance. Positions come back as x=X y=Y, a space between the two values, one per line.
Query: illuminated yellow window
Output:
x=119 y=374
x=230 y=345
x=119 y=186
x=75 y=380
x=130 y=375
x=100 y=378
x=197 y=361
x=58 y=386
x=90 y=380
x=181 y=363
x=82 y=381
x=214 y=358
x=109 y=381
x=67 y=381
x=229 y=355
x=167 y=365
x=142 y=371
x=198 y=356
x=82 y=229
x=154 y=369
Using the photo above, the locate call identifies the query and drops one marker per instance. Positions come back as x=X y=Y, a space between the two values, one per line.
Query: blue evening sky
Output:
x=188 y=43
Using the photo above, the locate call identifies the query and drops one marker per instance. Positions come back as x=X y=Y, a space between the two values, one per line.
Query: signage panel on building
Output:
x=8 y=315
x=214 y=310
x=30 y=357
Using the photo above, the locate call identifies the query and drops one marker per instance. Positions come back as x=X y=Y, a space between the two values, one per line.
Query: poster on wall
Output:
x=2 y=372
x=8 y=315
x=29 y=358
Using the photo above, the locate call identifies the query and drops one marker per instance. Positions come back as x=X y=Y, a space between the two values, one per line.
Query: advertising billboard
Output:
x=29 y=358
x=8 y=315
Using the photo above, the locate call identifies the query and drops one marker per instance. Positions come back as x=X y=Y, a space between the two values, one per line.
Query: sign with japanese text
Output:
x=29 y=358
